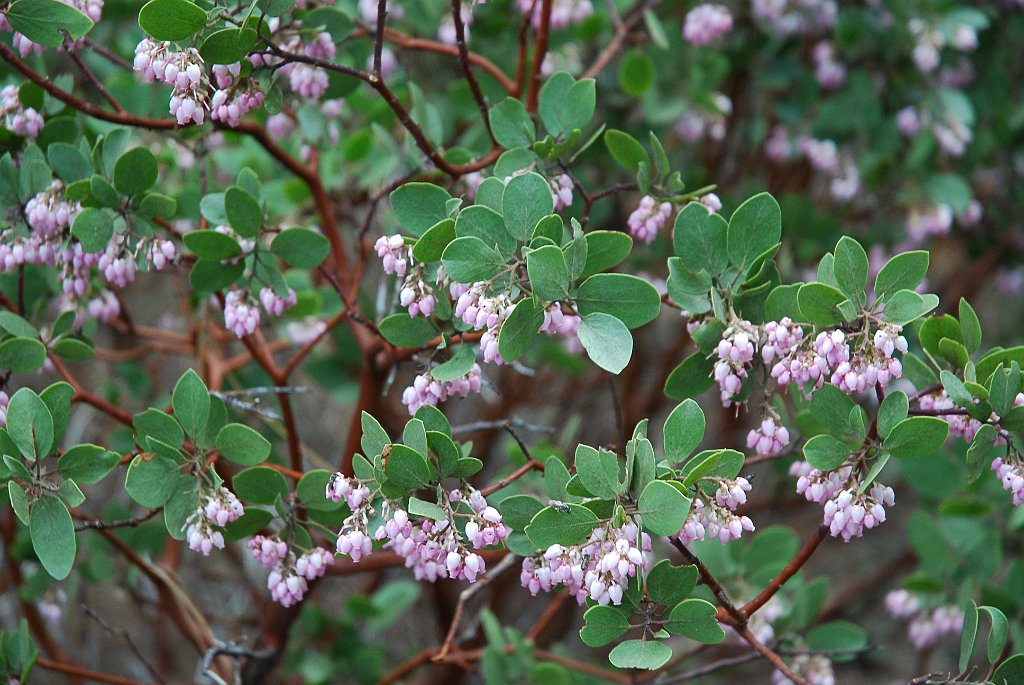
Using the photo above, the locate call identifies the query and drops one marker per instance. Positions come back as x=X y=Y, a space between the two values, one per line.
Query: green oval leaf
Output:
x=569 y=525
x=696 y=619
x=662 y=508
x=301 y=247
x=30 y=424
x=53 y=536
x=632 y=300
x=44 y=21
x=242 y=444
x=607 y=341
x=135 y=171
x=22 y=355
x=645 y=654
x=171 y=19
x=227 y=45
x=260 y=485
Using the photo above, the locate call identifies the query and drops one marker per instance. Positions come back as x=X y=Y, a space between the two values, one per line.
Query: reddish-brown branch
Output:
x=81 y=672
x=407 y=42
x=400 y=111
x=91 y=77
x=291 y=431
x=786 y=573
x=552 y=611
x=530 y=465
x=770 y=656
x=408 y=666
x=127 y=118
x=83 y=395
x=464 y=597
x=524 y=48
x=467 y=71
x=539 y=52
x=584 y=667
x=621 y=34
x=728 y=613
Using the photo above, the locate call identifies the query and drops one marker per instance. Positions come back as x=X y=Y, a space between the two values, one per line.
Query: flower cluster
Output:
x=563 y=12
x=1011 y=476
x=927 y=221
x=104 y=307
x=241 y=315
x=699 y=122
x=816 y=668
x=304 y=331
x=648 y=218
x=794 y=359
x=818 y=486
x=485 y=527
x=846 y=513
x=780 y=339
x=874 y=365
x=183 y=71
x=561 y=191
x=599 y=569
x=960 y=425
x=953 y=136
x=849 y=513
x=394 y=254
x=417 y=295
x=769 y=438
x=275 y=304
x=354 y=492
x=432 y=549
x=217 y=508
x=795 y=17
x=289 y=577
x=426 y=390
x=49 y=216
x=267 y=551
x=716 y=518
x=396 y=258
x=930 y=40
x=15 y=117
x=706 y=23
x=48 y=213
x=229 y=106
x=557 y=322
x=735 y=354
x=5 y=399
x=829 y=71
x=841 y=176
x=481 y=310
x=926 y=626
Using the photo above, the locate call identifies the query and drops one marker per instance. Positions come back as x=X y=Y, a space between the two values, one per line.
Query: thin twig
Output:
x=124 y=634
x=91 y=77
x=795 y=564
x=502 y=424
x=378 y=41
x=770 y=656
x=464 y=597
x=96 y=524
x=467 y=71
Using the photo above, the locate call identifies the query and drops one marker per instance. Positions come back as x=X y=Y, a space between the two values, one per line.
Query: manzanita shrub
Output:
x=326 y=323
